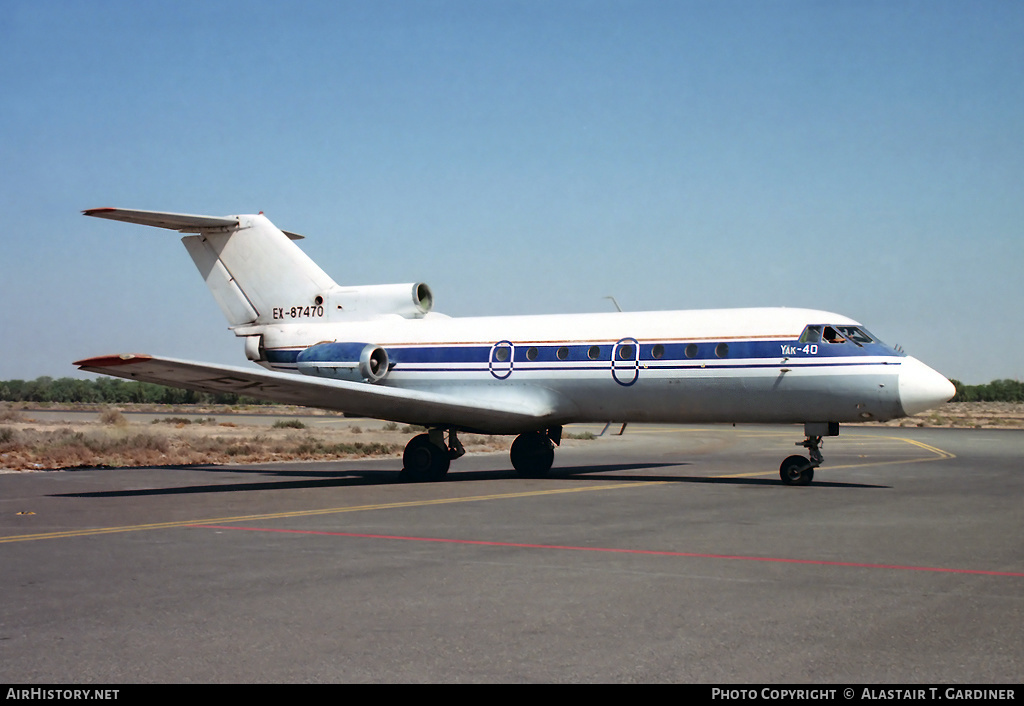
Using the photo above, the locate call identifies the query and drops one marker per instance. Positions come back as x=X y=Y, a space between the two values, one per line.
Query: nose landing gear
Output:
x=797 y=470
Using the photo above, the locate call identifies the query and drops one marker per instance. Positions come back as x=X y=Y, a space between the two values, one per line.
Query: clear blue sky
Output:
x=520 y=156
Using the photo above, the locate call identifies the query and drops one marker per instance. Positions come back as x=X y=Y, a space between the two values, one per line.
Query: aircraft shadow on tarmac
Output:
x=337 y=478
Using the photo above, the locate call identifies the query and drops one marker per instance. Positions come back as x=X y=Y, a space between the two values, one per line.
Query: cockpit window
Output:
x=811 y=334
x=832 y=336
x=857 y=335
x=837 y=334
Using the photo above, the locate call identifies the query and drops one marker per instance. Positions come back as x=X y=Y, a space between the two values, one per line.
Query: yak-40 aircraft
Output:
x=380 y=351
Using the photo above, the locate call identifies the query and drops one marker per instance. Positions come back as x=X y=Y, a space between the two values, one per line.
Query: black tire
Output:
x=796 y=470
x=423 y=461
x=532 y=455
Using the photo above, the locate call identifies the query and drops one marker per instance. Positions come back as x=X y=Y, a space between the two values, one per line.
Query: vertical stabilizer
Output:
x=255 y=271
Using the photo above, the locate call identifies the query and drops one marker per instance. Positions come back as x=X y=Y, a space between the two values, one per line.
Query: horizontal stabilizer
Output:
x=512 y=414
x=181 y=222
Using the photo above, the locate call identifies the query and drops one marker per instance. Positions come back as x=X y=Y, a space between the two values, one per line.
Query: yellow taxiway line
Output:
x=310 y=513
x=939 y=455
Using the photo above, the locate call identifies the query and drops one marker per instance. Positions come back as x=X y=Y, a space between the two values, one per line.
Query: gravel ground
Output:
x=146 y=435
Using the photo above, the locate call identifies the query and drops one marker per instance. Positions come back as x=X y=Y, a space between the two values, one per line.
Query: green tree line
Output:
x=995 y=391
x=109 y=391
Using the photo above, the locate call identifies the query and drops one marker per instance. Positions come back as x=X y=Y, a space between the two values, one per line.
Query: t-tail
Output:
x=259 y=276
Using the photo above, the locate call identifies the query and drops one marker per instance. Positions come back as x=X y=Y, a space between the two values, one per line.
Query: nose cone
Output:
x=921 y=387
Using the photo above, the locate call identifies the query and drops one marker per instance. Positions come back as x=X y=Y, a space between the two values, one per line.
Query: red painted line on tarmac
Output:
x=647 y=552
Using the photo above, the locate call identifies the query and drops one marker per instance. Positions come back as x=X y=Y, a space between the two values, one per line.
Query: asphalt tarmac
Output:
x=663 y=555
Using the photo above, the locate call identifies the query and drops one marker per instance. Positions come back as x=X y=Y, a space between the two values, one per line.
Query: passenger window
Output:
x=501 y=354
x=722 y=350
x=594 y=353
x=531 y=353
x=658 y=351
x=562 y=353
x=691 y=351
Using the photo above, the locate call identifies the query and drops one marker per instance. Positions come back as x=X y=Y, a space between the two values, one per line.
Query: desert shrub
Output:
x=315 y=447
x=112 y=417
x=8 y=436
x=289 y=424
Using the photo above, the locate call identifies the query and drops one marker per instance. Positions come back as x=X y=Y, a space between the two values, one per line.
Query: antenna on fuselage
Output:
x=617 y=307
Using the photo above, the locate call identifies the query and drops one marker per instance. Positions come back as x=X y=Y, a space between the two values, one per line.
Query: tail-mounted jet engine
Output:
x=357 y=362
x=410 y=301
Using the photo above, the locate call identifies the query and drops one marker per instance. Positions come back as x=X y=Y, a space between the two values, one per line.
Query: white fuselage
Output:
x=734 y=365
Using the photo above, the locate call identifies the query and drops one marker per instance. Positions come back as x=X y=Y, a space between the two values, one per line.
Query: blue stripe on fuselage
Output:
x=409 y=356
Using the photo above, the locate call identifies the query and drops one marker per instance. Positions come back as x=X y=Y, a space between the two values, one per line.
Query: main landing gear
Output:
x=797 y=470
x=534 y=452
x=428 y=456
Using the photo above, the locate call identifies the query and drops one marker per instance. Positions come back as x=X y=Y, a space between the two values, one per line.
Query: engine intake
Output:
x=357 y=362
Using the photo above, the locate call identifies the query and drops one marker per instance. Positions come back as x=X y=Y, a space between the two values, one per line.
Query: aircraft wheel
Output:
x=796 y=470
x=532 y=455
x=423 y=461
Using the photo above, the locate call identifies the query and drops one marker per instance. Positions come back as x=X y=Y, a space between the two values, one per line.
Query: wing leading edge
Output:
x=520 y=411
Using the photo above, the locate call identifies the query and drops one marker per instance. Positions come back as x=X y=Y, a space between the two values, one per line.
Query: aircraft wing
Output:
x=515 y=411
